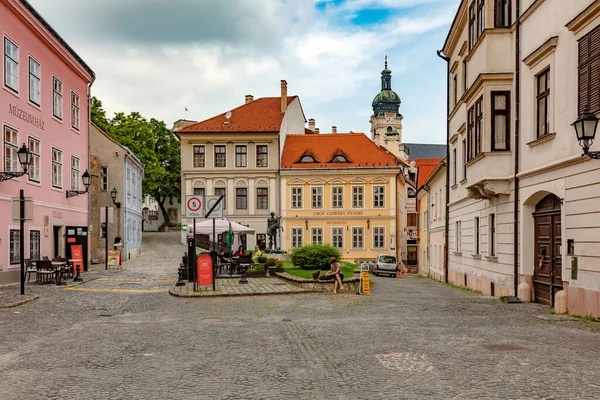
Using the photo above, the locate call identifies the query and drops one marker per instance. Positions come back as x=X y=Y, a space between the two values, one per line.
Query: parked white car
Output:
x=386 y=264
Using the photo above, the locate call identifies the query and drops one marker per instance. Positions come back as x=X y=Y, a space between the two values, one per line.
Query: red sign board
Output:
x=204 y=270
x=77 y=257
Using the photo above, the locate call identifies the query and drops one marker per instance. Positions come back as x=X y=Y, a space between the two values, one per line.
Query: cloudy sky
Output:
x=159 y=56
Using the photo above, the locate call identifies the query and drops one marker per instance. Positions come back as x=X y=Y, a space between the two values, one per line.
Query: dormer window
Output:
x=307 y=159
x=340 y=159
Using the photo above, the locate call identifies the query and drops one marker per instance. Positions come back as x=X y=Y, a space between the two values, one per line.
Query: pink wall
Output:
x=17 y=111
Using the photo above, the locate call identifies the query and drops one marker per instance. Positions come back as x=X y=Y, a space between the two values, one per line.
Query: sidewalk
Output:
x=232 y=287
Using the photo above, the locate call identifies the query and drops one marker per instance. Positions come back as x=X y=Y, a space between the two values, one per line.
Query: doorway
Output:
x=547 y=277
x=57 y=238
x=78 y=235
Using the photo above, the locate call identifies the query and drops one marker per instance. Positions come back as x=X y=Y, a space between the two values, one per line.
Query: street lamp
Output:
x=113 y=195
x=585 y=128
x=306 y=224
x=368 y=224
x=86 y=179
x=24 y=159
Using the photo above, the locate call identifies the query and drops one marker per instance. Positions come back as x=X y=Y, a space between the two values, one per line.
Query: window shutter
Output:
x=594 y=85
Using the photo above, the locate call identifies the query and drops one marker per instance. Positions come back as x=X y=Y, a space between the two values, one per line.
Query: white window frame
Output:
x=382 y=237
x=75 y=106
x=375 y=201
x=314 y=196
x=35 y=82
x=317 y=231
x=266 y=164
x=362 y=230
x=9 y=59
x=202 y=159
x=296 y=197
x=57 y=98
x=35 y=168
x=258 y=205
x=32 y=244
x=337 y=199
x=10 y=147
x=358 y=199
x=57 y=183
x=296 y=237
x=341 y=237
x=14 y=249
x=220 y=146
x=243 y=159
x=76 y=170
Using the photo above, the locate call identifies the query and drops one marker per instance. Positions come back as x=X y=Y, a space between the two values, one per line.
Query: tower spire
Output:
x=386 y=61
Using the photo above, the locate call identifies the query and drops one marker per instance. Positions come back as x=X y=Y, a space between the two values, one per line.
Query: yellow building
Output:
x=340 y=189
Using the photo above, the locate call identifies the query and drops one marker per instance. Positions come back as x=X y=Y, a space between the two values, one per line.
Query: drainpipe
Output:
x=517 y=143
x=89 y=196
x=447 y=217
x=428 y=190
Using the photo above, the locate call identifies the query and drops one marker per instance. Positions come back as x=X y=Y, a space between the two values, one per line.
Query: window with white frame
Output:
x=75 y=175
x=57 y=98
x=358 y=198
x=15 y=246
x=34 y=245
x=476 y=240
x=296 y=197
x=222 y=192
x=457 y=236
x=296 y=237
x=337 y=197
x=11 y=146
x=262 y=155
x=379 y=237
x=199 y=192
x=199 y=157
x=337 y=237
x=378 y=196
x=75 y=110
x=316 y=235
x=262 y=198
x=492 y=235
x=220 y=156
x=316 y=197
x=35 y=77
x=241 y=198
x=57 y=168
x=11 y=65
x=104 y=179
x=241 y=156
x=358 y=237
x=34 y=167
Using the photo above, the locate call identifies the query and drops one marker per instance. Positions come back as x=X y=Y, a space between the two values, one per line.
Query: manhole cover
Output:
x=502 y=347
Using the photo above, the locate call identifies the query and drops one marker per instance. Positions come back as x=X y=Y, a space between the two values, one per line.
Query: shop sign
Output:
x=57 y=214
x=348 y=213
x=204 y=270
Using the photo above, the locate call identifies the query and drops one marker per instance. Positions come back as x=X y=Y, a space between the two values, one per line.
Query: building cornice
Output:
x=458 y=24
x=541 y=52
x=527 y=13
x=578 y=23
x=483 y=79
x=562 y=163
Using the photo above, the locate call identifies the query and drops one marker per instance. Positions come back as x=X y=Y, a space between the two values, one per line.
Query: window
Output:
x=358 y=237
x=337 y=197
x=492 y=235
x=502 y=15
x=543 y=93
x=221 y=192
x=378 y=196
x=475 y=122
x=500 y=121
x=199 y=157
x=11 y=146
x=296 y=197
x=241 y=199
x=262 y=198
x=316 y=235
x=262 y=156
x=296 y=237
x=358 y=200
x=457 y=236
x=15 y=244
x=411 y=193
x=480 y=17
x=337 y=237
x=379 y=237
x=464 y=158
x=104 y=179
x=472 y=27
x=455 y=89
x=200 y=192
x=261 y=240
x=75 y=175
x=342 y=159
x=56 y=168
x=11 y=65
x=454 y=166
x=57 y=98
x=241 y=156
x=435 y=206
x=589 y=71
x=476 y=235
x=411 y=219
x=316 y=197
x=307 y=159
x=220 y=157
x=35 y=77
x=75 y=110
x=34 y=168
x=441 y=205
x=464 y=76
x=34 y=245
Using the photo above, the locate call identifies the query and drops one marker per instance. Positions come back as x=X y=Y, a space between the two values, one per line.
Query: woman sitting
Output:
x=336 y=272
x=258 y=253
x=240 y=251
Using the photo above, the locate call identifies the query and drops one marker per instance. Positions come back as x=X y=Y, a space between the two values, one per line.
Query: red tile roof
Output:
x=261 y=115
x=358 y=149
x=425 y=168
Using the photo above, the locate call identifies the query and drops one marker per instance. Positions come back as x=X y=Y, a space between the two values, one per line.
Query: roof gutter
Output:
x=447 y=218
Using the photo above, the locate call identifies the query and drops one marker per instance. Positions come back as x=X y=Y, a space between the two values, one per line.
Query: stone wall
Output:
x=351 y=284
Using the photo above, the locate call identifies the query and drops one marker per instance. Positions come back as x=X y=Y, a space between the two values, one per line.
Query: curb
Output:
x=21 y=302
x=192 y=295
x=80 y=283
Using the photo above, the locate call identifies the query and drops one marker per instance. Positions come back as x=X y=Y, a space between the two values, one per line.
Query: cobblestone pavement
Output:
x=412 y=338
x=231 y=287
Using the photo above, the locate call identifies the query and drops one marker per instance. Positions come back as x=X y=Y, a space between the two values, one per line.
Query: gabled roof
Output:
x=261 y=115
x=425 y=168
x=418 y=151
x=360 y=151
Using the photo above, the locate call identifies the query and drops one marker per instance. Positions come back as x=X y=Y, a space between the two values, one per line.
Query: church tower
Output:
x=386 y=121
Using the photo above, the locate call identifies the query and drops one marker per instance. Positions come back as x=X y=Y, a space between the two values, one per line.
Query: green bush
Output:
x=257 y=268
x=271 y=262
x=314 y=256
x=262 y=259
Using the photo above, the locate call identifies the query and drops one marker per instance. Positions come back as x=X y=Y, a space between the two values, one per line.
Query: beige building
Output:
x=558 y=221
x=237 y=154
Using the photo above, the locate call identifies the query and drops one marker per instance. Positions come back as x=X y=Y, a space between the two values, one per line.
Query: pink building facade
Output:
x=43 y=104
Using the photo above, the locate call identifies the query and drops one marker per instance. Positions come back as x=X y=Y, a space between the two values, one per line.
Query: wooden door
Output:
x=547 y=279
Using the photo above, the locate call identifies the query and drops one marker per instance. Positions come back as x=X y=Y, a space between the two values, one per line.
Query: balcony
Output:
x=492 y=54
x=489 y=175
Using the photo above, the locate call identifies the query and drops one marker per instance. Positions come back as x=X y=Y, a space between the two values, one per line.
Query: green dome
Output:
x=386 y=101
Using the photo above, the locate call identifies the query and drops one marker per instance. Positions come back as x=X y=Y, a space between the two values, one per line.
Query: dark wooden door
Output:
x=547 y=279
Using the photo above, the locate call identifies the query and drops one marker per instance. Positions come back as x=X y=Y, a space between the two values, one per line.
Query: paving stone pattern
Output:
x=411 y=339
x=232 y=287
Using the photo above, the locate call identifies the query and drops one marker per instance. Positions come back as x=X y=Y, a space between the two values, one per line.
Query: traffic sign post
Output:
x=194 y=206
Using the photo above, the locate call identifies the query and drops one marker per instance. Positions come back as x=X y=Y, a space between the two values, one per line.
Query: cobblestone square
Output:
x=122 y=336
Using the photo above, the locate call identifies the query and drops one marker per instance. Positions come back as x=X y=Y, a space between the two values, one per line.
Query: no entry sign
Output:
x=194 y=206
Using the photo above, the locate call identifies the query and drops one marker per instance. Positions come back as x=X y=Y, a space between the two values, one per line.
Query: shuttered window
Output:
x=589 y=71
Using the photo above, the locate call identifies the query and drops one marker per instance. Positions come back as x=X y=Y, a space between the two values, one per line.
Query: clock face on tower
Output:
x=389 y=120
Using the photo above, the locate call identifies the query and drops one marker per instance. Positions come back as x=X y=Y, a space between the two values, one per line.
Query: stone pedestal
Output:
x=561 y=302
x=524 y=292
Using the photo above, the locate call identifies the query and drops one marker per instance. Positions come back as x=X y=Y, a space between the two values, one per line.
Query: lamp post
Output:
x=25 y=158
x=86 y=179
x=585 y=129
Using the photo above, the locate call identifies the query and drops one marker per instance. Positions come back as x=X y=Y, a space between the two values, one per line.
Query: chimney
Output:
x=317 y=130
x=283 y=96
x=311 y=124
x=334 y=129
x=249 y=98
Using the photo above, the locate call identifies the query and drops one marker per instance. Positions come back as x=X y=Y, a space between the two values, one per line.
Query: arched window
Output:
x=389 y=129
x=307 y=159
x=339 y=159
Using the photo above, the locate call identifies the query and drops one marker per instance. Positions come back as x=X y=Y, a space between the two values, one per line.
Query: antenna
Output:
x=228 y=114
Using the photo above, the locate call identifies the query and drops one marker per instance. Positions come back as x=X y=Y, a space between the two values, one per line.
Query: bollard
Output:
x=243 y=278
x=78 y=277
x=181 y=271
x=61 y=277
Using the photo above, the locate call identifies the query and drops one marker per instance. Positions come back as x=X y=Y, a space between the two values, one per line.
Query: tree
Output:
x=98 y=114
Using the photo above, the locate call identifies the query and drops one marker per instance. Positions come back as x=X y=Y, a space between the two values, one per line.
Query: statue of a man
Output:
x=273 y=226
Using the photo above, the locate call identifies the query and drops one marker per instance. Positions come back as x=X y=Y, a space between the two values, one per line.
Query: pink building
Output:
x=43 y=104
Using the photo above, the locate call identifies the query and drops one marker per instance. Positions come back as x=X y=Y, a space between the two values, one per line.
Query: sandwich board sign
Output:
x=194 y=206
